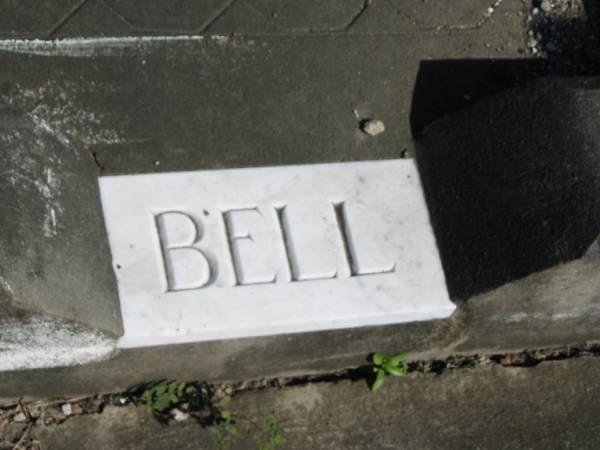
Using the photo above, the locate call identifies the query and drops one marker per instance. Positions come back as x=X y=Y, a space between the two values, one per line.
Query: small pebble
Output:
x=179 y=415
x=546 y=6
x=532 y=43
x=66 y=409
x=19 y=417
x=535 y=11
x=373 y=127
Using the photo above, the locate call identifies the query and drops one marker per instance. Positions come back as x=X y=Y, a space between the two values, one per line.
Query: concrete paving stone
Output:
x=220 y=102
x=399 y=16
x=551 y=406
x=181 y=16
x=30 y=18
x=92 y=18
x=118 y=18
x=276 y=16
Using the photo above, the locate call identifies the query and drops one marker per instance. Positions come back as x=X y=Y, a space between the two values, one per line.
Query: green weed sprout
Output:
x=161 y=397
x=383 y=366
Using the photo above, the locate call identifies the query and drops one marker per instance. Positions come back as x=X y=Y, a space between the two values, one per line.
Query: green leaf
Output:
x=396 y=359
x=378 y=380
x=377 y=359
x=161 y=403
x=147 y=397
x=233 y=431
x=226 y=415
x=393 y=370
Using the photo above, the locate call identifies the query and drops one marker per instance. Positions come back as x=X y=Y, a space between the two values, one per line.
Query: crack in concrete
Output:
x=220 y=13
x=118 y=15
x=96 y=161
x=357 y=16
x=66 y=18
x=226 y=6
x=253 y=8
x=204 y=402
x=486 y=16
x=523 y=359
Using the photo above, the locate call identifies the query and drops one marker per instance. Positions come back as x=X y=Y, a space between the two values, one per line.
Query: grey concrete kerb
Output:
x=57 y=291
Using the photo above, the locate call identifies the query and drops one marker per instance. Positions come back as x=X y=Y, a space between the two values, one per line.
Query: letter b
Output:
x=185 y=266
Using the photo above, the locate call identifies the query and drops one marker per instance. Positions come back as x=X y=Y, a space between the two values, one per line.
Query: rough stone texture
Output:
x=31 y=18
x=551 y=406
x=513 y=183
x=54 y=257
x=293 y=90
x=37 y=341
x=138 y=102
x=215 y=102
x=551 y=308
x=92 y=18
x=184 y=103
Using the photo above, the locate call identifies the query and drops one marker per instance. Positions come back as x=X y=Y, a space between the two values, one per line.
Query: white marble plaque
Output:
x=247 y=252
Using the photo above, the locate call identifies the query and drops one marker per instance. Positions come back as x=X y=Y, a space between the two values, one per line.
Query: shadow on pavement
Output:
x=509 y=155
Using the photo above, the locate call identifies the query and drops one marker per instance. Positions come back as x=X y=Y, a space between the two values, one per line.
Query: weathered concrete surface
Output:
x=92 y=18
x=58 y=302
x=54 y=256
x=554 y=405
x=551 y=308
x=218 y=101
x=513 y=183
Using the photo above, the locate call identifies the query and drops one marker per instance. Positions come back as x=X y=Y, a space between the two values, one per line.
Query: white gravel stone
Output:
x=546 y=6
x=66 y=409
x=20 y=418
x=179 y=415
x=374 y=127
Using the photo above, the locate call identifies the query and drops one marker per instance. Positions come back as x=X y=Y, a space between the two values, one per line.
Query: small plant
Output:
x=383 y=366
x=428 y=367
x=538 y=356
x=266 y=433
x=161 y=397
x=268 y=436
x=225 y=432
